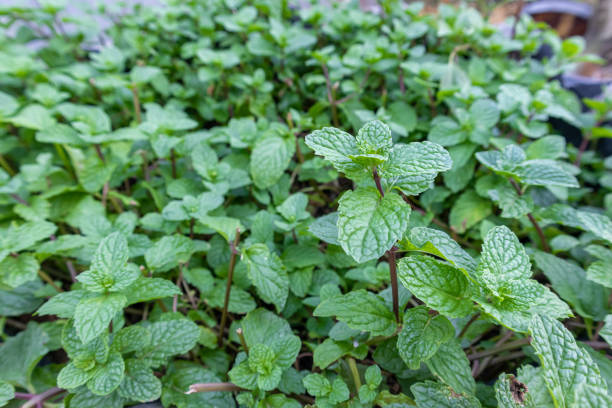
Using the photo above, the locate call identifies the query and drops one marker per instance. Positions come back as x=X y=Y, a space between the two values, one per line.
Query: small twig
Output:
x=533 y=221
x=99 y=152
x=499 y=348
x=72 y=271
x=354 y=372
x=393 y=276
x=136 y=103
x=145 y=166
x=40 y=398
x=105 y=189
x=583 y=146
x=228 y=287
x=468 y=324
x=48 y=279
x=19 y=199
x=192 y=300
x=173 y=162
x=209 y=387
x=485 y=362
x=377 y=181
x=6 y=166
x=507 y=357
x=330 y=95
x=240 y=335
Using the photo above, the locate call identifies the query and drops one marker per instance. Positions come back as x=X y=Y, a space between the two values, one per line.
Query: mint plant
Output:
x=251 y=204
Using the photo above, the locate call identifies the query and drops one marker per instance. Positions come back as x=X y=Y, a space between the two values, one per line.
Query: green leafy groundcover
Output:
x=239 y=203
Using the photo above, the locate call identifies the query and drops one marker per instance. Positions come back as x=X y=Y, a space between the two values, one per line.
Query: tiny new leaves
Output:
x=509 y=295
x=368 y=224
x=421 y=336
x=109 y=269
x=374 y=138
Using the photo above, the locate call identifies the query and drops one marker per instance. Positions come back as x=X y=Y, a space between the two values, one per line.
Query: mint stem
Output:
x=228 y=288
x=391 y=255
x=209 y=387
x=533 y=221
x=393 y=275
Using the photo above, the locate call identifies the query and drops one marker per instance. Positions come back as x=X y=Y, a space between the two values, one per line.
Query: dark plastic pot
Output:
x=552 y=12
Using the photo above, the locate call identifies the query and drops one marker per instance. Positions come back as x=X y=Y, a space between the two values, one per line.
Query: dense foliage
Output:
x=277 y=207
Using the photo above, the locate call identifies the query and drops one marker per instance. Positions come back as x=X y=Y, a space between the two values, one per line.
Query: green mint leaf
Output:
x=84 y=398
x=131 y=338
x=63 y=304
x=452 y=366
x=439 y=243
x=599 y=271
x=373 y=376
x=441 y=286
x=468 y=210
x=598 y=224
x=421 y=336
x=326 y=228
x=417 y=158
x=244 y=376
x=139 y=382
x=107 y=377
x=112 y=254
x=606 y=330
x=19 y=237
x=261 y=361
x=145 y=289
x=7 y=392
x=330 y=351
x=258 y=324
x=169 y=252
x=339 y=392
x=374 y=138
x=336 y=146
x=93 y=314
x=360 y=310
x=293 y=209
x=588 y=396
x=20 y=354
x=169 y=338
x=17 y=270
x=369 y=225
x=432 y=394
x=484 y=113
x=268 y=274
x=543 y=172
x=72 y=377
x=565 y=365
x=569 y=280
x=520 y=300
x=270 y=159
x=503 y=259
x=317 y=385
